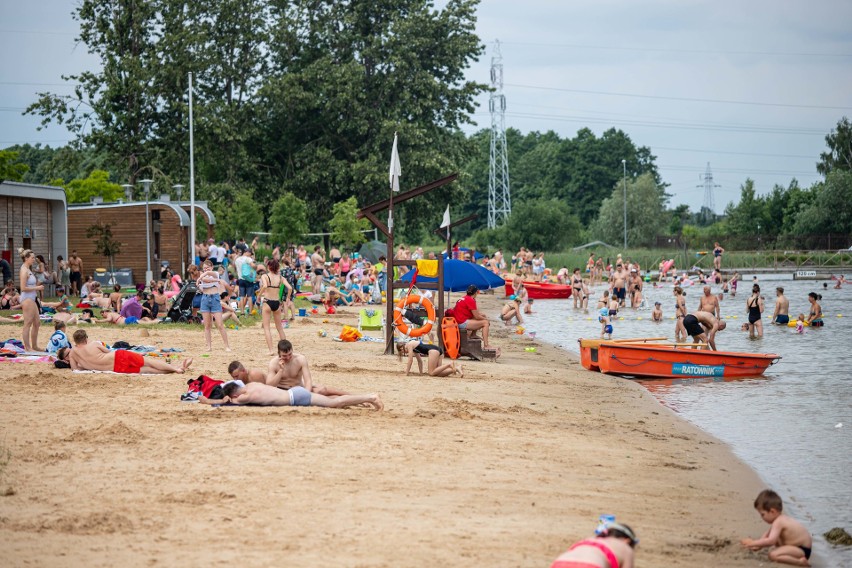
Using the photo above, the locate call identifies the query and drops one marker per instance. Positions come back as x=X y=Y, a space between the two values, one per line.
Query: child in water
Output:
x=657 y=313
x=606 y=328
x=800 y=324
x=791 y=540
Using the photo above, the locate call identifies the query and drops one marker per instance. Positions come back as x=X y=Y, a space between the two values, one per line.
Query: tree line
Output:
x=295 y=106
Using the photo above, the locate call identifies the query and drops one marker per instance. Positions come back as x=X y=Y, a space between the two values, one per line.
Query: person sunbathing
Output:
x=236 y=392
x=613 y=546
x=87 y=356
x=110 y=316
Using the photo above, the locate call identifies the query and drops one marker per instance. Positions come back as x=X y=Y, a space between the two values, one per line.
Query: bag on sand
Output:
x=211 y=388
x=350 y=334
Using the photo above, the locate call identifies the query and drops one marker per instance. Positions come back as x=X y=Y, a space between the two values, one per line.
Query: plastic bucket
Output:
x=303 y=312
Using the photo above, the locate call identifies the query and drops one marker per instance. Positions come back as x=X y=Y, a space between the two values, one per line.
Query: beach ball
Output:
x=322 y=333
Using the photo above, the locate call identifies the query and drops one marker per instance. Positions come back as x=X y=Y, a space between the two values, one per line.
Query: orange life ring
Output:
x=399 y=323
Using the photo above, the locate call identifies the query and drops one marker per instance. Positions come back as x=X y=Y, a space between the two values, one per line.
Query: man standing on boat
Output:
x=702 y=327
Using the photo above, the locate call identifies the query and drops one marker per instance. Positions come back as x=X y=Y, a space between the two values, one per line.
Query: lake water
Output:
x=784 y=424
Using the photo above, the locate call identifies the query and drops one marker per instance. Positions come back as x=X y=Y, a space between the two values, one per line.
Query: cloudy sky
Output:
x=751 y=87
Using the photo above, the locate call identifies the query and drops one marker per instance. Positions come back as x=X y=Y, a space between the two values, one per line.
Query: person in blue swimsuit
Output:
x=717 y=256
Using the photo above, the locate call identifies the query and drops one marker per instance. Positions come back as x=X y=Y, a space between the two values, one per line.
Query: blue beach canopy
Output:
x=458 y=275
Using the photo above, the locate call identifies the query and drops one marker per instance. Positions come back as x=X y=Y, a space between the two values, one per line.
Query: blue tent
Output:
x=458 y=275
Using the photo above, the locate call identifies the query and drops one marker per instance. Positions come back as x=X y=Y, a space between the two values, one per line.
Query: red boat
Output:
x=542 y=290
x=670 y=360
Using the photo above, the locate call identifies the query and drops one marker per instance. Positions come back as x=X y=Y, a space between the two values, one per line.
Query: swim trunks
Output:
x=782 y=319
x=817 y=323
x=693 y=328
x=613 y=312
x=128 y=362
x=807 y=552
x=129 y=320
x=619 y=293
x=299 y=396
x=318 y=271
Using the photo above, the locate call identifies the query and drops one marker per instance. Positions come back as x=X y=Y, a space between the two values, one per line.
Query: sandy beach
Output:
x=505 y=467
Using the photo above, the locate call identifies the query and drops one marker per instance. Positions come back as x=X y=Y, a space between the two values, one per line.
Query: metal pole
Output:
x=191 y=182
x=179 y=188
x=624 y=168
x=146 y=183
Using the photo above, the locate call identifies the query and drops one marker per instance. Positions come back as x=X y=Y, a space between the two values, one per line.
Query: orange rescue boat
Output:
x=636 y=359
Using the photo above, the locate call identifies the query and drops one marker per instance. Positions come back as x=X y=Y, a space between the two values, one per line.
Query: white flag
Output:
x=446 y=221
x=395 y=168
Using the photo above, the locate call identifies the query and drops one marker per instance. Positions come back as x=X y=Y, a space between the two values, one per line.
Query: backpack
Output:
x=211 y=388
x=247 y=272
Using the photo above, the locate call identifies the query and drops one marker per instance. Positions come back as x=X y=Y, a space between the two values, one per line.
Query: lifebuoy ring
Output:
x=399 y=323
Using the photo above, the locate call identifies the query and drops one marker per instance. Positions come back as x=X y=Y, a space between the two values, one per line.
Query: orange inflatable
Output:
x=399 y=323
x=451 y=337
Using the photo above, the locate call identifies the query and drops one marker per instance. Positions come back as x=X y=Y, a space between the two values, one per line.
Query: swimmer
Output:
x=613 y=547
x=703 y=327
x=791 y=540
x=603 y=318
x=800 y=324
x=260 y=394
x=657 y=312
x=782 y=308
x=815 y=317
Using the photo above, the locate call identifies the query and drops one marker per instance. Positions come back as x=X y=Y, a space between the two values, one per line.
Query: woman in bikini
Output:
x=754 y=307
x=29 y=300
x=680 y=313
x=612 y=547
x=434 y=359
x=270 y=295
x=815 y=317
x=577 y=285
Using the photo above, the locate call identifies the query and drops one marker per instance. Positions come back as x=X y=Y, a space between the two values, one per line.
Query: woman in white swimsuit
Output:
x=29 y=300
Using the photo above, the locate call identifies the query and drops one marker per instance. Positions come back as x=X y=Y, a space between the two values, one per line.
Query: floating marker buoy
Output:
x=529 y=349
x=839 y=425
x=621 y=318
x=840 y=315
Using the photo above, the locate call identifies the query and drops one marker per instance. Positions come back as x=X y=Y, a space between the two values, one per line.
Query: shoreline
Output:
x=509 y=465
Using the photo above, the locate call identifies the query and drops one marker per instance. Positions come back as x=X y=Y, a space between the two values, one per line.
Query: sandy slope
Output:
x=505 y=467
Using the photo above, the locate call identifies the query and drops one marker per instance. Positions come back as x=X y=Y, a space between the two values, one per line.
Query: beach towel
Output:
x=427 y=268
x=111 y=372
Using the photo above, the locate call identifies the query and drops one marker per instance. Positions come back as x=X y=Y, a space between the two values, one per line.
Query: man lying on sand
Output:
x=265 y=395
x=87 y=356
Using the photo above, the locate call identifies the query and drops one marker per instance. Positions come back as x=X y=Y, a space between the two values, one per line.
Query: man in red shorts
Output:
x=87 y=356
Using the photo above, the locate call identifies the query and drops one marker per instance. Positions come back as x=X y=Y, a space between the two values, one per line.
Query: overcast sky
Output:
x=658 y=70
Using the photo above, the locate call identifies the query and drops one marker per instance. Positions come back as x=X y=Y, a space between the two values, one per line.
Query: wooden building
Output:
x=168 y=232
x=33 y=217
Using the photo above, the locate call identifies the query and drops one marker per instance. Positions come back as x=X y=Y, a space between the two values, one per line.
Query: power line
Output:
x=39 y=32
x=24 y=84
x=738 y=170
x=681 y=126
x=685 y=99
x=679 y=50
x=727 y=152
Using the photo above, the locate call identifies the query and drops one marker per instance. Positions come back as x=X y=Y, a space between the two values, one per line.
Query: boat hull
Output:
x=542 y=290
x=673 y=362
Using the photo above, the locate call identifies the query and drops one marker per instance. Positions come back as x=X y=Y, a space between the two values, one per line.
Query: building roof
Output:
x=32 y=191
x=175 y=206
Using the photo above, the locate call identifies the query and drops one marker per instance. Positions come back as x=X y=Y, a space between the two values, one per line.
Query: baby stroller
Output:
x=181 y=310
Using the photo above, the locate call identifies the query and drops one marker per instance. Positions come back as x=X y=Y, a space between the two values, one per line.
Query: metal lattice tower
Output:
x=499 y=198
x=708 y=185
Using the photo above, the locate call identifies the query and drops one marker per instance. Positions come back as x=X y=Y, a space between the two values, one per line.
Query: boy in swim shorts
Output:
x=791 y=540
x=261 y=394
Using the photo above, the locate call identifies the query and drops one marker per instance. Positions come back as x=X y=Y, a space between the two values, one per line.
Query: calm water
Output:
x=783 y=425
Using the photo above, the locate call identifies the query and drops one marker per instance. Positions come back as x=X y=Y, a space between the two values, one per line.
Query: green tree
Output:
x=288 y=221
x=105 y=244
x=10 y=168
x=743 y=217
x=345 y=226
x=96 y=185
x=646 y=201
x=831 y=209
x=541 y=225
x=237 y=216
x=839 y=155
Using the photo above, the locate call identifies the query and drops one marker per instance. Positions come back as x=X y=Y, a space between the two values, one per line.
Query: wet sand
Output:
x=506 y=467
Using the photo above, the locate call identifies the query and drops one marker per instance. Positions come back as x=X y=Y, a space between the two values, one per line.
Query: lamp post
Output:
x=128 y=192
x=146 y=183
x=624 y=170
x=179 y=189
